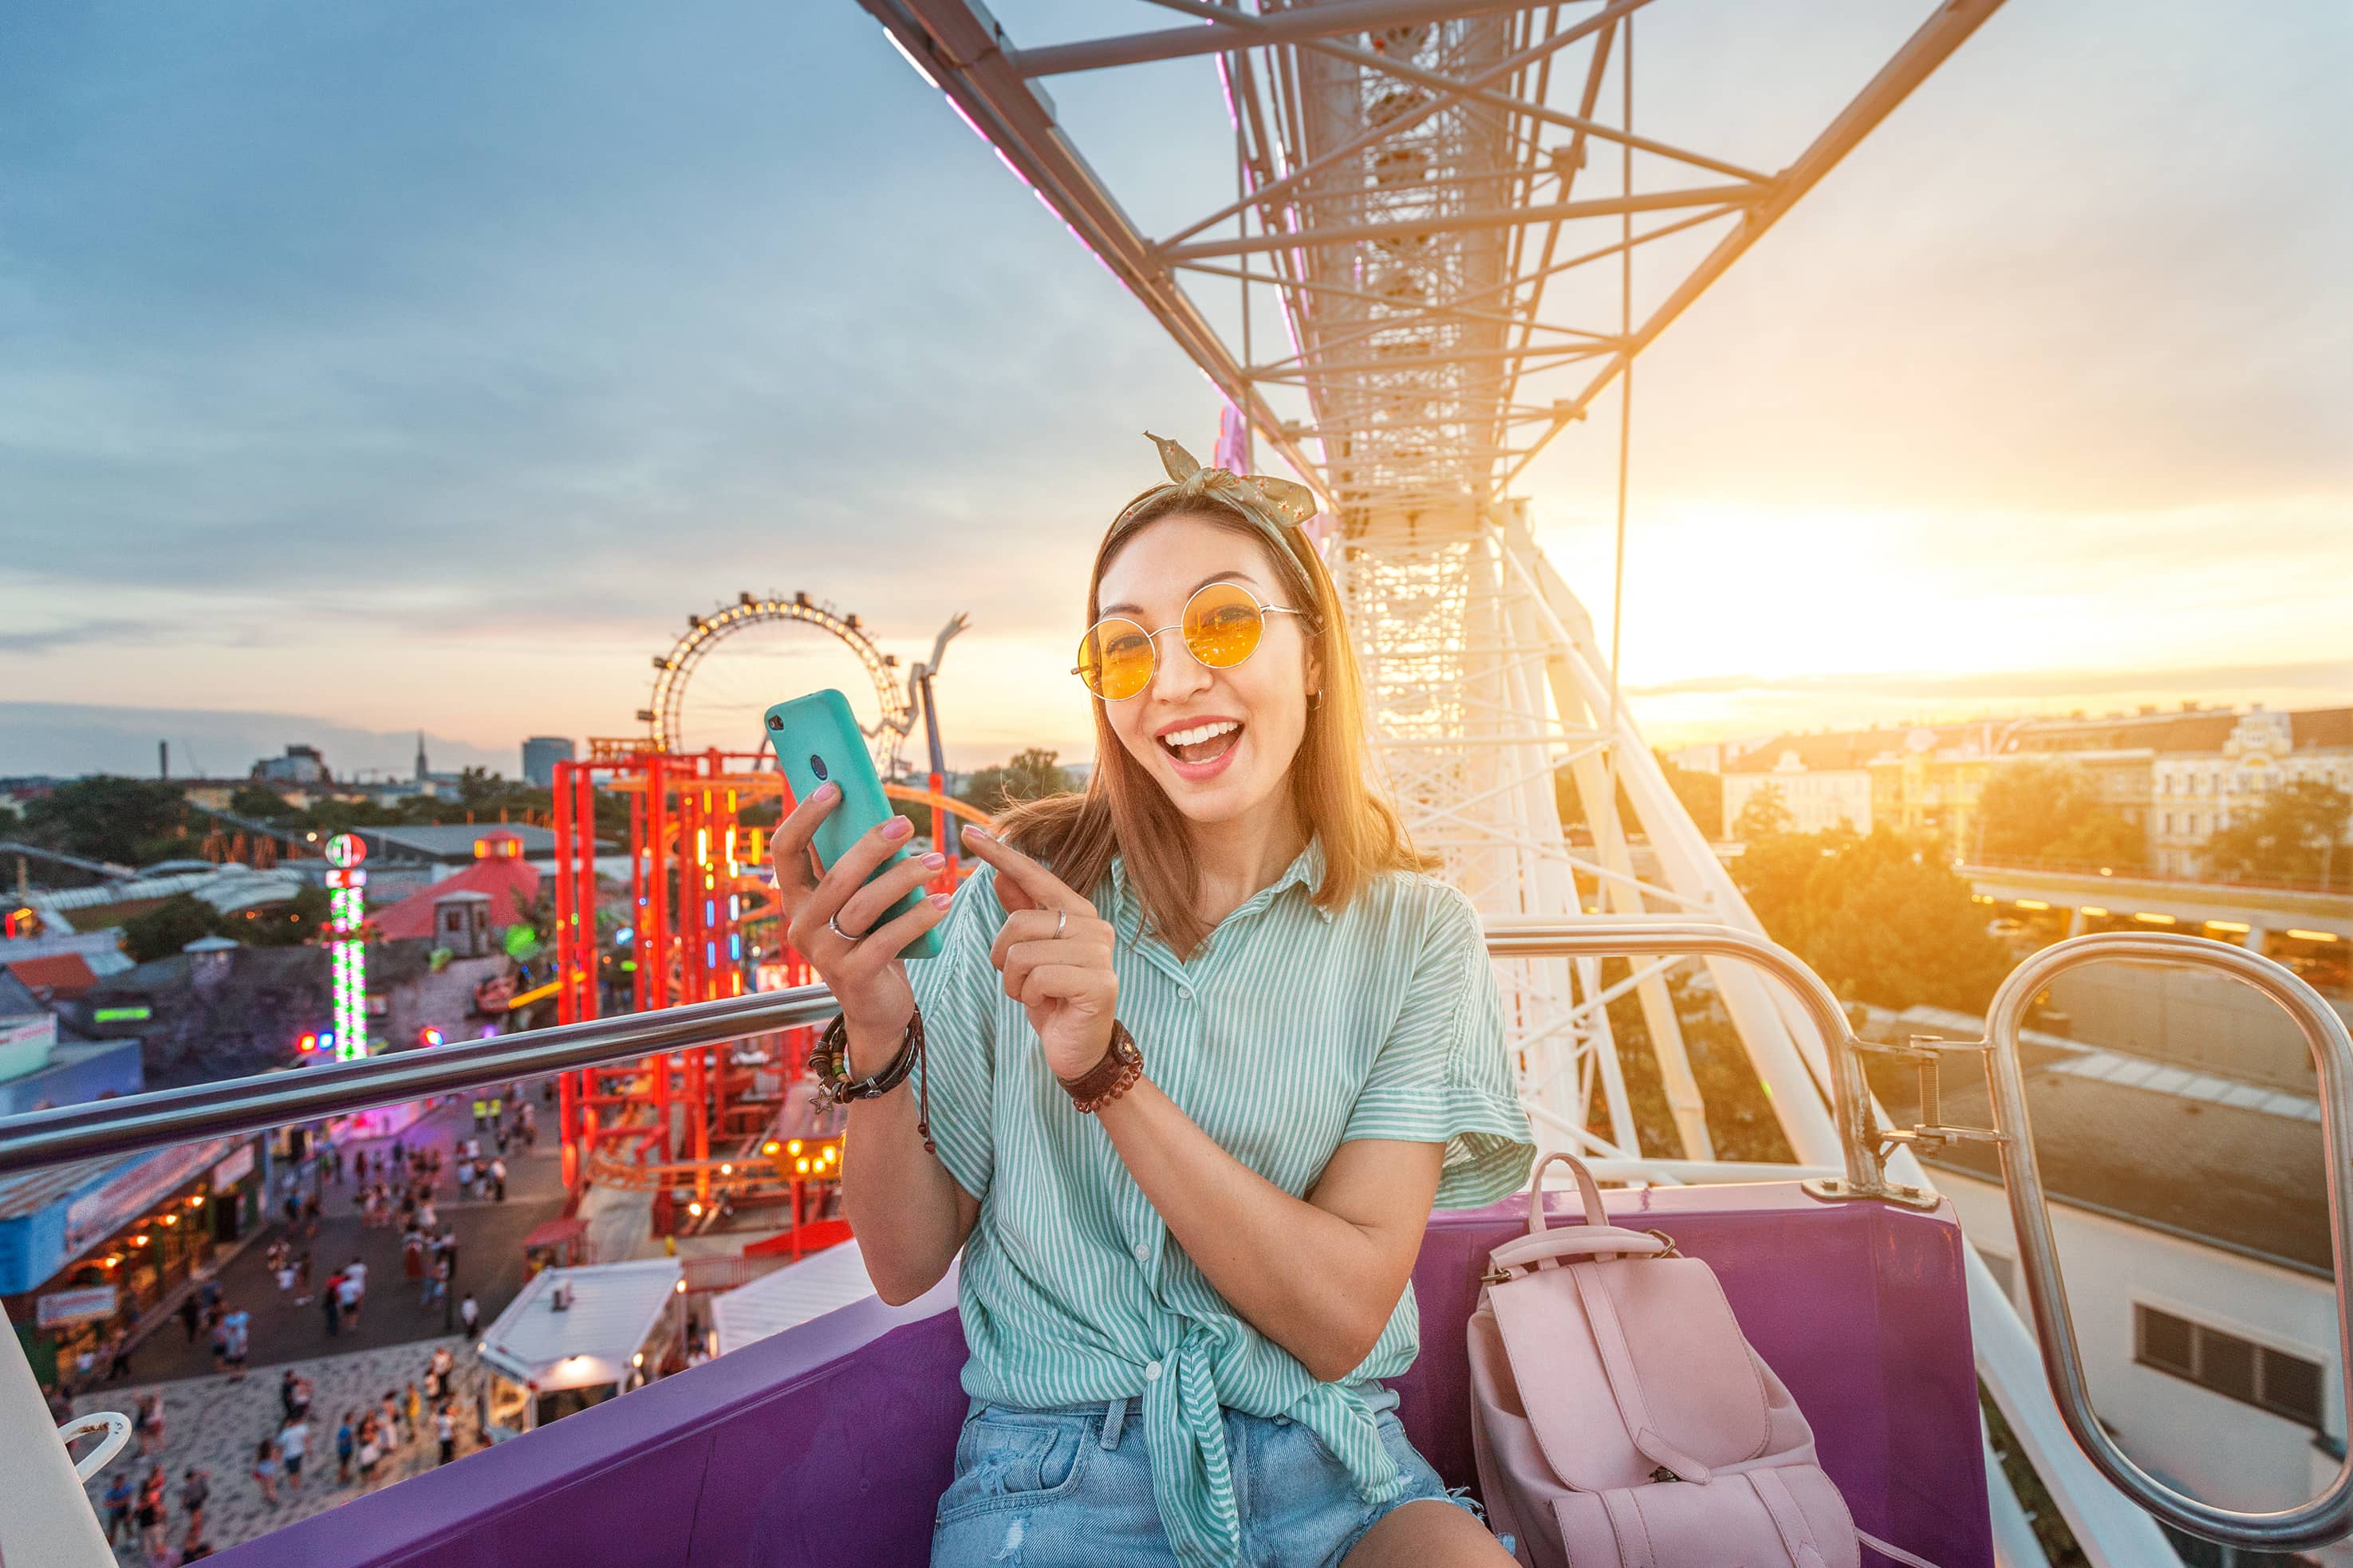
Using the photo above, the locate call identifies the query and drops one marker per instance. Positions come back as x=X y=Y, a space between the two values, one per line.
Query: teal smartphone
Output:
x=815 y=738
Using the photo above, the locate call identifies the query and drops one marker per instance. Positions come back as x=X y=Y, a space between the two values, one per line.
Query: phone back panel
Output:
x=819 y=731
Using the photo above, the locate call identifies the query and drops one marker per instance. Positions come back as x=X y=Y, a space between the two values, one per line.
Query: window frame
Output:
x=2260 y=1354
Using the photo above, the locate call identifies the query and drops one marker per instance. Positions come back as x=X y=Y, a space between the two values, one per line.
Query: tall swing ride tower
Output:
x=1442 y=204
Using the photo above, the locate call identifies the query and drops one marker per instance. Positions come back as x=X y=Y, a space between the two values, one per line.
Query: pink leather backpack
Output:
x=1622 y=1419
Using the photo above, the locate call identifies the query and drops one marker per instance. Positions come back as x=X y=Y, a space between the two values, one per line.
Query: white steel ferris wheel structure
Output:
x=1426 y=194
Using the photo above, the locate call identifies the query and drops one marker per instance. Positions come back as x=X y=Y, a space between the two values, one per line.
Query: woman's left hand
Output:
x=1067 y=983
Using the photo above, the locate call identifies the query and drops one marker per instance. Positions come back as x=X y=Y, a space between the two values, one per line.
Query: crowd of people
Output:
x=370 y=1447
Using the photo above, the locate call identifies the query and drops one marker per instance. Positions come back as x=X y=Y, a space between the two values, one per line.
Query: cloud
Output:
x=68 y=739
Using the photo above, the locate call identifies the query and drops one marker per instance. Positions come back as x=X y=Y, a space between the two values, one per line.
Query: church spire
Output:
x=421 y=770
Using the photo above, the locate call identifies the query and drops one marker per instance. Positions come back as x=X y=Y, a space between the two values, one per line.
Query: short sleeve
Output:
x=1444 y=1074
x=956 y=992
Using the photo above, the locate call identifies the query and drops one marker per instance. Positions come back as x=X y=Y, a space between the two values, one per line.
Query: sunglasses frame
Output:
x=1151 y=638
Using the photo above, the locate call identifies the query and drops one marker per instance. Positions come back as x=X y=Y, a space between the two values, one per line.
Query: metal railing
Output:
x=2325 y=1518
x=138 y=1123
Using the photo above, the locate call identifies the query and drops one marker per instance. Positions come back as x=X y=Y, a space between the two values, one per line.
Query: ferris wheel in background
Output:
x=760 y=669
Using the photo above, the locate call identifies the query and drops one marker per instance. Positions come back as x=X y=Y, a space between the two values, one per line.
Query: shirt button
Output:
x=1151 y=1372
x=1186 y=992
x=1143 y=1251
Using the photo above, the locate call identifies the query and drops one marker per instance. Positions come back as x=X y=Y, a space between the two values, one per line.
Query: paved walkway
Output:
x=213 y=1423
x=489 y=1264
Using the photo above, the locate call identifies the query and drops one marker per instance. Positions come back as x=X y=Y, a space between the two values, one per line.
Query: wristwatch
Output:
x=1121 y=1065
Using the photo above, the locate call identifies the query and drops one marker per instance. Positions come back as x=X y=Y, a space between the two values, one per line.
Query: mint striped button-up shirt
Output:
x=1290 y=1032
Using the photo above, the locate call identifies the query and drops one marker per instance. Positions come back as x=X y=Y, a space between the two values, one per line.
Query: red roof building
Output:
x=511 y=884
x=61 y=976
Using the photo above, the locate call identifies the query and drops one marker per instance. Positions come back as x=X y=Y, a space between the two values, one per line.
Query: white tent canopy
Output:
x=615 y=1309
x=791 y=1296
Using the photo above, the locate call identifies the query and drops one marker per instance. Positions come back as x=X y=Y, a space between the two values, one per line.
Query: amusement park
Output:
x=1410 y=1093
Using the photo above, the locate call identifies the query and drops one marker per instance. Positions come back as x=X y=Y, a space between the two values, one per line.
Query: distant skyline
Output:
x=378 y=367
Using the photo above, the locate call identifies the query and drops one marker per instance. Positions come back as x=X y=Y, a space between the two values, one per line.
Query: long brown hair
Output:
x=1124 y=811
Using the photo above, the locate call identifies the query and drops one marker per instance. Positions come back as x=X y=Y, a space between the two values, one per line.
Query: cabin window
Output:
x=2287 y=1385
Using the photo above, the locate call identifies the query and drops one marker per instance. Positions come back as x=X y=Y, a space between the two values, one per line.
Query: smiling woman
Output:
x=1280 y=1044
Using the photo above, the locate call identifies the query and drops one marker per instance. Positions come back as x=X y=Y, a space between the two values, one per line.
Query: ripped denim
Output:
x=1073 y=1486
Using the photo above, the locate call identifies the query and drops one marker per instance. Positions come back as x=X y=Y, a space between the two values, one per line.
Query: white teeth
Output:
x=1195 y=736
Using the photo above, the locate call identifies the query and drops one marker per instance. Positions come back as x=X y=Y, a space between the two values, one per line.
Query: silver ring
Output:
x=839 y=931
x=1059 y=924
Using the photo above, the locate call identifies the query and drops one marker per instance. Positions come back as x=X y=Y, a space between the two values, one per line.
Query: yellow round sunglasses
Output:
x=1222 y=624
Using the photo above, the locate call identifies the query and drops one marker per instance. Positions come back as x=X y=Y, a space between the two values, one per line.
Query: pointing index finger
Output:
x=1042 y=888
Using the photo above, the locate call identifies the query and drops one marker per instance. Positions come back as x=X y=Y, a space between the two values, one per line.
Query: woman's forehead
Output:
x=1167 y=561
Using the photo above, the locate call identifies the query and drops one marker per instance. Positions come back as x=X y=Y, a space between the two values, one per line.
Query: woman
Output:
x=1184 y=1275
x=266 y=1469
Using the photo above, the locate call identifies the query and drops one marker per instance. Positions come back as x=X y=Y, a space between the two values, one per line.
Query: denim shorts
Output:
x=1072 y=1485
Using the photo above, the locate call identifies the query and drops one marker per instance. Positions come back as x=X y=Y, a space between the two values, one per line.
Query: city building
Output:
x=540 y=755
x=2195 y=794
x=300 y=765
x=1824 y=781
x=2179 y=776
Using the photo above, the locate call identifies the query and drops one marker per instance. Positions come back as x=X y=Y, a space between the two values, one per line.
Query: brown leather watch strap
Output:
x=1121 y=1065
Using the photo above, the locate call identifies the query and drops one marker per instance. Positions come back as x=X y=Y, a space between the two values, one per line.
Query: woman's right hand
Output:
x=865 y=972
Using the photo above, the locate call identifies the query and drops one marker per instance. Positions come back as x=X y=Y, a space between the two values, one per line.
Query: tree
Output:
x=1702 y=793
x=1880 y=918
x=291 y=924
x=1764 y=815
x=259 y=802
x=1031 y=775
x=2292 y=837
x=168 y=927
x=2053 y=811
x=103 y=818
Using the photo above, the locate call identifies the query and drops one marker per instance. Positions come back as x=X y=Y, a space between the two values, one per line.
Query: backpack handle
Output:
x=1589 y=1191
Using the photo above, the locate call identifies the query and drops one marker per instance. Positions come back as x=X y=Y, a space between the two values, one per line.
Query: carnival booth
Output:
x=578 y=1337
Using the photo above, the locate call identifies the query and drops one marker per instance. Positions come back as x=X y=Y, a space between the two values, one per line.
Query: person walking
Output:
x=149 y=1511
x=444 y=1429
x=331 y=1300
x=371 y=1453
x=302 y=1278
x=267 y=1469
x=147 y=1421
x=347 y=1445
x=191 y=1315
x=498 y=1180
x=293 y=1443
x=354 y=1290
x=469 y=1315
x=220 y=1345
x=119 y=1495
x=413 y=1406
x=195 y=1490
x=238 y=1325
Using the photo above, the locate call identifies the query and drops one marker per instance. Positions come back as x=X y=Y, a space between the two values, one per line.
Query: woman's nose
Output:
x=1174 y=669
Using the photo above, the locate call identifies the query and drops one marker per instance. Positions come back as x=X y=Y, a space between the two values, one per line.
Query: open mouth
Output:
x=1203 y=743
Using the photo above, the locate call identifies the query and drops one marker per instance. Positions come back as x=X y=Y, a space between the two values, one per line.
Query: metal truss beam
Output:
x=1244 y=31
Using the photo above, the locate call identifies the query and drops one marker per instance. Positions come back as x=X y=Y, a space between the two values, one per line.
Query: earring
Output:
x=1314 y=700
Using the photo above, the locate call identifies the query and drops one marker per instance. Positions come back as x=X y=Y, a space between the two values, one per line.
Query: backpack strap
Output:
x=1788 y=1520
x=1627 y=1525
x=1626 y=1382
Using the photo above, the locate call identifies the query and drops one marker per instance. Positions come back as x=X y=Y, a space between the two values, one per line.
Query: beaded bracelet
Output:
x=1120 y=1066
x=829 y=1064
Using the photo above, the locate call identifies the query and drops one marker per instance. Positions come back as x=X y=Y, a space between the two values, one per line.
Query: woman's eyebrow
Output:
x=1125 y=608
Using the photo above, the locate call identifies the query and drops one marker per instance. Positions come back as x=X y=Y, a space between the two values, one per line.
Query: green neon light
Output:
x=122 y=1015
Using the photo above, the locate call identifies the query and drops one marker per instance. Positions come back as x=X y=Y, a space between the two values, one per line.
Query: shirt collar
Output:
x=1306 y=869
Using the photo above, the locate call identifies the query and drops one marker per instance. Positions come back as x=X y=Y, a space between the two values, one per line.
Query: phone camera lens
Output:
x=775 y=723
x=816 y=765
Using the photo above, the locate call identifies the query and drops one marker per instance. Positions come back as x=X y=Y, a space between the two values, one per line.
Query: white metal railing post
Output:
x=47 y=1521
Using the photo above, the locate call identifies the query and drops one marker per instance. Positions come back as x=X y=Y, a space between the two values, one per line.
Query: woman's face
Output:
x=1248 y=719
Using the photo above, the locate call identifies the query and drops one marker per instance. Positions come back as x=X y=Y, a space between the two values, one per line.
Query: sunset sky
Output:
x=371 y=368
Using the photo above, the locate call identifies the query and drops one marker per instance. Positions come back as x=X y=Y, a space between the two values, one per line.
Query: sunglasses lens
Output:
x=1222 y=624
x=1116 y=659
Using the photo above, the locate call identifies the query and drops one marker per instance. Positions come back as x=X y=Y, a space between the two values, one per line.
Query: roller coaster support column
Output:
x=576 y=938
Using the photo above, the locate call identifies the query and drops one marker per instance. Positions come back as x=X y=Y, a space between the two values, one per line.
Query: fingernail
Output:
x=974 y=830
x=942 y=900
x=897 y=827
x=935 y=860
x=827 y=791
